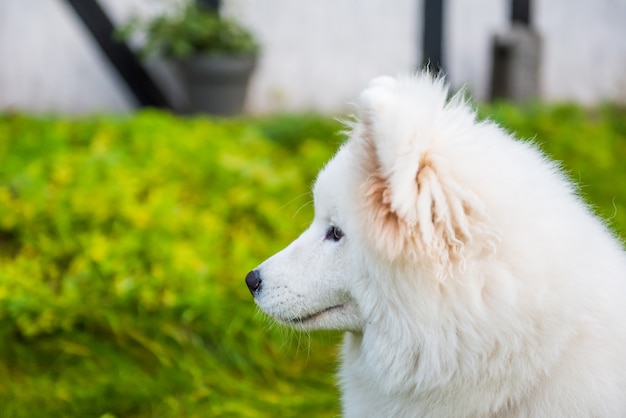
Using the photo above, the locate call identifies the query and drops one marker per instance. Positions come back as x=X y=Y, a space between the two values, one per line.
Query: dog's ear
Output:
x=415 y=207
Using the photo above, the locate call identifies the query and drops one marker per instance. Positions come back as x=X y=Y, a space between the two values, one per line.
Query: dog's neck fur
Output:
x=416 y=350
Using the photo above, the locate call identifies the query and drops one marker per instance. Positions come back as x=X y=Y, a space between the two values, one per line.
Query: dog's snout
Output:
x=253 y=280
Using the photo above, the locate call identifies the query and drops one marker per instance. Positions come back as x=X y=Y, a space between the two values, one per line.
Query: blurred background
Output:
x=318 y=55
x=152 y=152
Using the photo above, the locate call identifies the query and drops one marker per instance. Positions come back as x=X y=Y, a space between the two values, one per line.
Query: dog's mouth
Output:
x=311 y=317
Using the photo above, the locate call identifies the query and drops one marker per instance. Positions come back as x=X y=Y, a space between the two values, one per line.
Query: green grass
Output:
x=124 y=243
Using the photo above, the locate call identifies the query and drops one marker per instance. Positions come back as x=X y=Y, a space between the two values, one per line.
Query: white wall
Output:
x=470 y=27
x=49 y=63
x=318 y=54
x=584 y=51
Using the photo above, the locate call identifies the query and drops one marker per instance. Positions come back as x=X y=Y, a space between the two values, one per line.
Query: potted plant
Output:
x=214 y=55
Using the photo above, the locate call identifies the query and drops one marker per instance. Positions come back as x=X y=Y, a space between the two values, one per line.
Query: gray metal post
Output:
x=516 y=56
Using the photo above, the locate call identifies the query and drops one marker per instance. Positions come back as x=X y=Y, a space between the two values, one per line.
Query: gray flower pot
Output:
x=217 y=84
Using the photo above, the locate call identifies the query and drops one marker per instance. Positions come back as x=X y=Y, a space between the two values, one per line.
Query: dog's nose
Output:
x=253 y=280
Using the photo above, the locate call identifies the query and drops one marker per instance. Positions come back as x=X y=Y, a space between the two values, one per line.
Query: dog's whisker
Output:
x=293 y=200
x=304 y=205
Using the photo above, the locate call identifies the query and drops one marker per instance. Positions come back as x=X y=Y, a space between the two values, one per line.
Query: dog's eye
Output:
x=334 y=233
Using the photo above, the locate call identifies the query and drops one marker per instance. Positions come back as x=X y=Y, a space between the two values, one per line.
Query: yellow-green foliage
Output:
x=124 y=243
x=124 y=247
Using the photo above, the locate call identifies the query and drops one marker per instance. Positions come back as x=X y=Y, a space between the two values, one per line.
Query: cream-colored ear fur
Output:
x=415 y=206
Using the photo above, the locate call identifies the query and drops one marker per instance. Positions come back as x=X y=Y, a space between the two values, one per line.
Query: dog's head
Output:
x=389 y=200
x=308 y=284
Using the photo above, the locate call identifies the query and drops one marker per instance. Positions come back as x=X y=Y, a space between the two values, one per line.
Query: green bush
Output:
x=124 y=242
x=191 y=29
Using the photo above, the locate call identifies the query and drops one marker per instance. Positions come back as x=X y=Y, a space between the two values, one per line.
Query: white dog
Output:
x=471 y=279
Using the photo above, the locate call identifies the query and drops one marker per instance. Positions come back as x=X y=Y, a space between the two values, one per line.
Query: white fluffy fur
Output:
x=472 y=281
